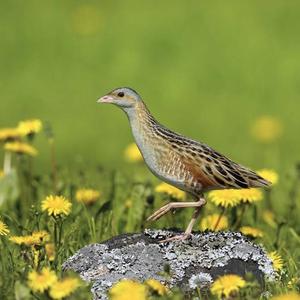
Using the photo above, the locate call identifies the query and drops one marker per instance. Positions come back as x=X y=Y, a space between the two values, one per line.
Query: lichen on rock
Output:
x=193 y=263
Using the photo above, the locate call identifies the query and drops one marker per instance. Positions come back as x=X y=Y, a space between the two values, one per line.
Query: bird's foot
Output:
x=180 y=237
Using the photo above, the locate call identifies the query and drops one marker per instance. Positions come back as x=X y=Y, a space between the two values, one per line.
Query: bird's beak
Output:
x=105 y=99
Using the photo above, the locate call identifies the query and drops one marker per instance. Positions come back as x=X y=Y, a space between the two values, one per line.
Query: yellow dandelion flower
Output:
x=225 y=285
x=132 y=153
x=56 y=205
x=269 y=175
x=1 y=173
x=20 y=148
x=36 y=238
x=170 y=190
x=277 y=260
x=17 y=239
x=9 y=134
x=209 y=222
x=269 y=218
x=128 y=289
x=41 y=281
x=224 y=198
x=64 y=288
x=267 y=129
x=30 y=127
x=40 y=237
x=251 y=231
x=50 y=251
x=249 y=195
x=3 y=228
x=86 y=20
x=87 y=196
x=157 y=287
x=288 y=296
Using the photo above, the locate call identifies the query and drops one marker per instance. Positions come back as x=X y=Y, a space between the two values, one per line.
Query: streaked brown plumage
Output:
x=185 y=163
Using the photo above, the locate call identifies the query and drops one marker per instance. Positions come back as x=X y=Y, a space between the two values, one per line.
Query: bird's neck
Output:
x=141 y=122
x=140 y=116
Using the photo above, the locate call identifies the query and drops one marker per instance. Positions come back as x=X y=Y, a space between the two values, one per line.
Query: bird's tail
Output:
x=259 y=182
x=253 y=179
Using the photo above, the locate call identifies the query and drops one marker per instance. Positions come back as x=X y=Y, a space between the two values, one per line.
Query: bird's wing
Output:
x=213 y=167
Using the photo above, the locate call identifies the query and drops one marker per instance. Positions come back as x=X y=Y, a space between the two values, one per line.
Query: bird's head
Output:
x=123 y=97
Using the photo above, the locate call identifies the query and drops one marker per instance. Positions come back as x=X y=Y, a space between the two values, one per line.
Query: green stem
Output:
x=53 y=166
x=24 y=203
x=294 y=194
x=55 y=234
x=219 y=219
x=239 y=220
x=268 y=199
x=7 y=162
x=90 y=222
x=60 y=232
x=279 y=228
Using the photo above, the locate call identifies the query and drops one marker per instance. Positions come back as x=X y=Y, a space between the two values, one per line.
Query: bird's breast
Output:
x=165 y=163
x=152 y=152
x=162 y=159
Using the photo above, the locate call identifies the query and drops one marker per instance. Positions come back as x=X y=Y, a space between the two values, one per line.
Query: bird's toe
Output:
x=180 y=237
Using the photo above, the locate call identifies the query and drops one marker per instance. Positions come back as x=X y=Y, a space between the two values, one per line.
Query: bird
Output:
x=187 y=164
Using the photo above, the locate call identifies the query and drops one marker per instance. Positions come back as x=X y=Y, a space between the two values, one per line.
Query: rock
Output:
x=193 y=263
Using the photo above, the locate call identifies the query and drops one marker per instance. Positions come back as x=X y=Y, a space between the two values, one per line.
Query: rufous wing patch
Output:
x=199 y=175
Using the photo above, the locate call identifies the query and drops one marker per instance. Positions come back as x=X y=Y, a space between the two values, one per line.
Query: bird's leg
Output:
x=189 y=228
x=166 y=208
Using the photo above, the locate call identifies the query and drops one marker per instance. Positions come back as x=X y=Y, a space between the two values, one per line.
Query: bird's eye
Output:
x=121 y=94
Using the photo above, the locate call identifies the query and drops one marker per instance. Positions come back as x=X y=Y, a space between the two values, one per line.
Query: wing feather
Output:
x=224 y=172
x=212 y=169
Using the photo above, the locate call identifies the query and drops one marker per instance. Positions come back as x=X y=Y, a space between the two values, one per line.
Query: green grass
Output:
x=112 y=215
x=205 y=69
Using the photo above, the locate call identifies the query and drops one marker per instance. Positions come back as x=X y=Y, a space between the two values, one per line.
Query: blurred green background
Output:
x=207 y=69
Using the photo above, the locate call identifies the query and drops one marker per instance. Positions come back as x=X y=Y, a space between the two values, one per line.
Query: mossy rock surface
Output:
x=195 y=262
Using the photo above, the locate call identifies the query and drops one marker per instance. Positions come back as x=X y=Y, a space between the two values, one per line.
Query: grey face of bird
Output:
x=124 y=97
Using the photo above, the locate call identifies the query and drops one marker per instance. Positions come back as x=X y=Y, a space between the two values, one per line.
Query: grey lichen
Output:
x=192 y=263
